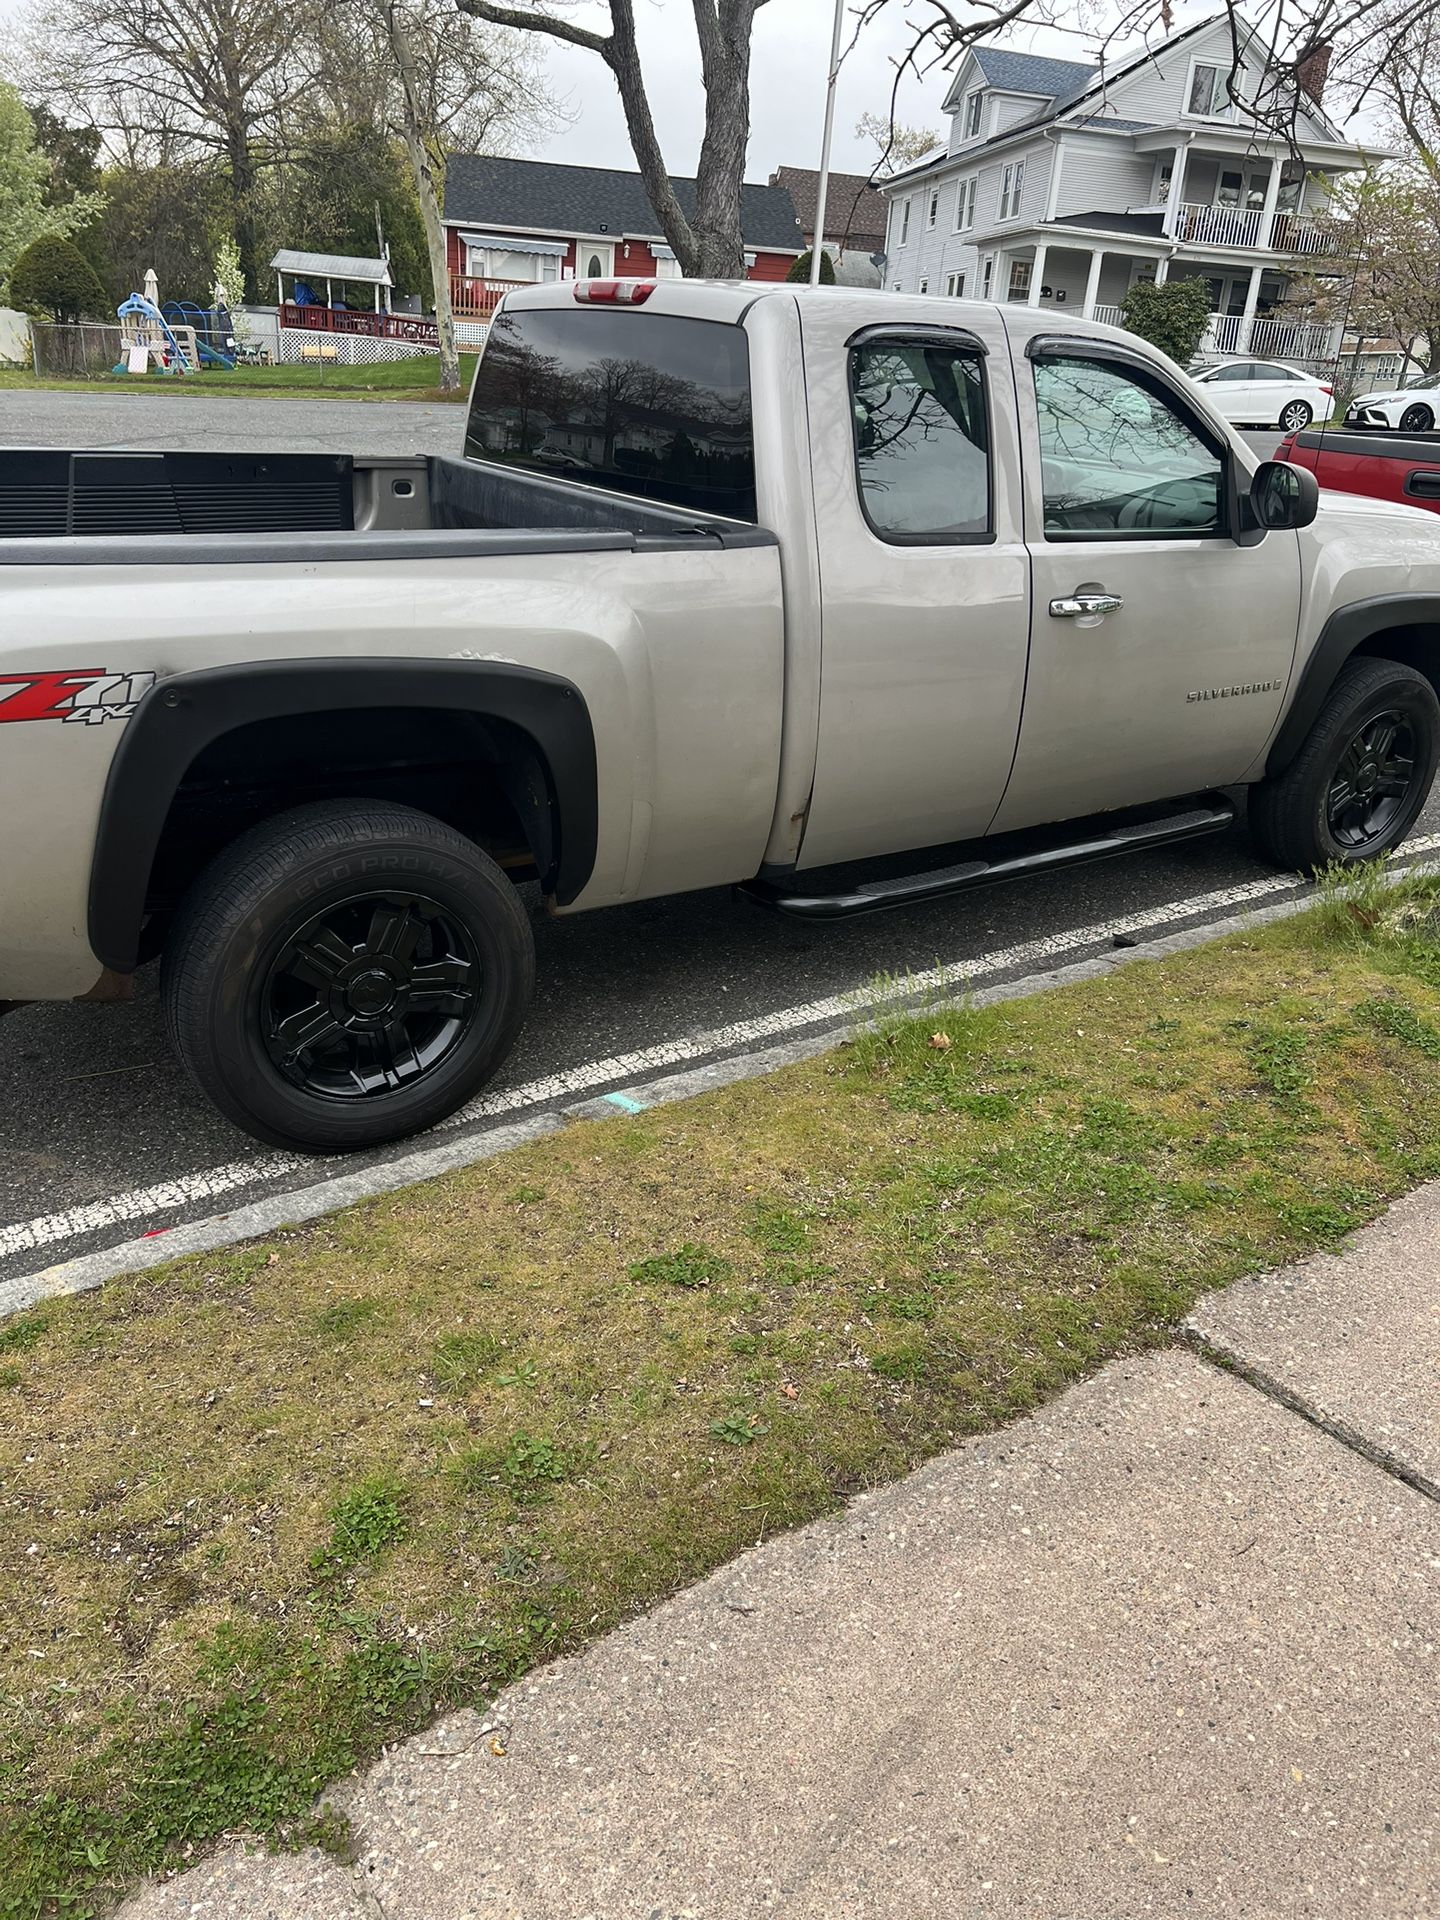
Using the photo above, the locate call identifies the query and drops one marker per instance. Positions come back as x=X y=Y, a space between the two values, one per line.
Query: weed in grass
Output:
x=909 y=1362
x=364 y=1522
x=1401 y=1022
x=19 y=1336
x=460 y=1359
x=1278 y=1058
x=11 y=1377
x=526 y=1196
x=777 y=1229
x=343 y=1317
x=690 y=1265
x=525 y=1373
x=533 y=1463
x=738 y=1429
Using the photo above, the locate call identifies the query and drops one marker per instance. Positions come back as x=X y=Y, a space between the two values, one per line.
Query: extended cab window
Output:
x=645 y=403
x=1117 y=457
x=922 y=446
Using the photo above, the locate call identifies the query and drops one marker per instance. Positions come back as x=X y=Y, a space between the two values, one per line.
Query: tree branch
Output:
x=537 y=22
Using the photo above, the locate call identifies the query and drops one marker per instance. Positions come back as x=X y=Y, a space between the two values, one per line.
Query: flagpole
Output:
x=822 y=186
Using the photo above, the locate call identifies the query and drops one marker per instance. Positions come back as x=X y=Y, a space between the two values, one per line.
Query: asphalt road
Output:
x=102 y=1136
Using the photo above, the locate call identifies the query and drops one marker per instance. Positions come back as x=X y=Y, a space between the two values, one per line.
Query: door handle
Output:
x=1086 y=604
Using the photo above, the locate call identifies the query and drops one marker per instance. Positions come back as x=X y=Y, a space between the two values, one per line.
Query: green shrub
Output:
x=800 y=272
x=1172 y=316
x=53 y=277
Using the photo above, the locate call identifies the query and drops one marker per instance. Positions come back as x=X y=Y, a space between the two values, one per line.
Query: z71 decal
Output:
x=86 y=695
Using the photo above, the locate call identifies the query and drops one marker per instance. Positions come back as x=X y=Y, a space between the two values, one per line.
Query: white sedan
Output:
x=1412 y=409
x=1266 y=393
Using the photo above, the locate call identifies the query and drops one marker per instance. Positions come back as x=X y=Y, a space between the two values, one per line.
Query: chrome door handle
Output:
x=1086 y=606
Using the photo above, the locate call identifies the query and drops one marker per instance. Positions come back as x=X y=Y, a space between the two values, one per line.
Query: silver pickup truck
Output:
x=729 y=586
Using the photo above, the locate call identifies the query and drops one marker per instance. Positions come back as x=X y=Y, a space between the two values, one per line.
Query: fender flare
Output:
x=1346 y=629
x=182 y=715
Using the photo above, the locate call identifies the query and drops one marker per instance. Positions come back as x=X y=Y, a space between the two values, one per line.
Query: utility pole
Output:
x=822 y=186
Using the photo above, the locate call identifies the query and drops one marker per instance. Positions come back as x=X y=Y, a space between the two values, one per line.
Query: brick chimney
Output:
x=1312 y=68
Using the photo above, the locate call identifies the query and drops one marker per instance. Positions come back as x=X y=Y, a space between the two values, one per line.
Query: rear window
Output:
x=644 y=403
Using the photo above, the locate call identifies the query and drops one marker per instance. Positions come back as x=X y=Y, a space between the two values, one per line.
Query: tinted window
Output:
x=1238 y=370
x=646 y=403
x=1118 y=457
x=1263 y=370
x=921 y=440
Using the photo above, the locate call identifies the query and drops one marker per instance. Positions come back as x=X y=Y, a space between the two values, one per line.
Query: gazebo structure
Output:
x=332 y=267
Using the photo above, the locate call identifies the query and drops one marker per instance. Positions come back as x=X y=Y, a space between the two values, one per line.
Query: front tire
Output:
x=1362 y=775
x=346 y=974
x=1297 y=416
x=1417 y=419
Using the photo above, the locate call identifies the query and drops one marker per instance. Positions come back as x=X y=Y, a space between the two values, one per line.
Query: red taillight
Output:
x=624 y=293
x=1325 y=389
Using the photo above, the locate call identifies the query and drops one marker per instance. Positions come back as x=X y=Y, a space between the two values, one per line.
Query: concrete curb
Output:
x=91 y=1270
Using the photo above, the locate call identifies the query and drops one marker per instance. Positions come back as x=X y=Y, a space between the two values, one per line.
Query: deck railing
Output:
x=1211 y=226
x=409 y=327
x=477 y=299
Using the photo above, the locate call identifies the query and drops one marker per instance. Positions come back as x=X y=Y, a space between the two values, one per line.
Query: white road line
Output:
x=183 y=1190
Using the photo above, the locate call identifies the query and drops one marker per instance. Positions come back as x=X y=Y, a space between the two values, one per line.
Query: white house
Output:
x=1061 y=185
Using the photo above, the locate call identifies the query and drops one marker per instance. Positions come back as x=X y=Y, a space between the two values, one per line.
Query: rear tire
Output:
x=1361 y=777
x=1417 y=419
x=346 y=974
x=1297 y=416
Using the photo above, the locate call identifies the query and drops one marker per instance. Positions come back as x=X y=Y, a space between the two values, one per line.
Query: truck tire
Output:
x=1353 y=790
x=346 y=974
x=1417 y=419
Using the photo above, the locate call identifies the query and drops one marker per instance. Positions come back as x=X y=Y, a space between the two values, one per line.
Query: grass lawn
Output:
x=413 y=379
x=263 y=1510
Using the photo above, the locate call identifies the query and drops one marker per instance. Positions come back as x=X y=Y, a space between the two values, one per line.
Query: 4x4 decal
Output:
x=86 y=695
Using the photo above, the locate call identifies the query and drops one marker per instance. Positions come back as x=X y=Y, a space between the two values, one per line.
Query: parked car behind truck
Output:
x=730 y=586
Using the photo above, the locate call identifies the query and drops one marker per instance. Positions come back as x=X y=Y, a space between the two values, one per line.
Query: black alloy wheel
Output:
x=1417 y=419
x=1372 y=784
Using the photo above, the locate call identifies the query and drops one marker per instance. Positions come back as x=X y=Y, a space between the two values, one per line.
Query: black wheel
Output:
x=1417 y=419
x=1355 y=787
x=1297 y=416
x=346 y=974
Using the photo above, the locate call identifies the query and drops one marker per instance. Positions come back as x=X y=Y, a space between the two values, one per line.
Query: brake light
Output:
x=1325 y=389
x=624 y=293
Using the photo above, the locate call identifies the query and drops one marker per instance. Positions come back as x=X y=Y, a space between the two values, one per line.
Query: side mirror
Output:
x=1283 y=497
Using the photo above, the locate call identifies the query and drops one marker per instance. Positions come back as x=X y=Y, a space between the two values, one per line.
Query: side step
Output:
x=908 y=889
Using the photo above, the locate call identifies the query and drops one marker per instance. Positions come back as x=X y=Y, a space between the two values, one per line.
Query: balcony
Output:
x=478 y=299
x=1226 y=227
x=1231 y=333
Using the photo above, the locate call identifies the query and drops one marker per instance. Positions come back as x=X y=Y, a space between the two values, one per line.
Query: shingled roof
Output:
x=851 y=203
x=1031 y=72
x=539 y=196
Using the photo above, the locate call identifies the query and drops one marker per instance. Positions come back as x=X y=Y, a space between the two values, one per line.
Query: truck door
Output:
x=1160 y=648
x=923 y=576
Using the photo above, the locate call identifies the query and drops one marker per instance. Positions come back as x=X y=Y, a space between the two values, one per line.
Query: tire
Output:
x=346 y=974
x=1297 y=416
x=1300 y=818
x=1417 y=419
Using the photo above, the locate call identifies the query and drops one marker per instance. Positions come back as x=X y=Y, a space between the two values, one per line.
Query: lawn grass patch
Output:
x=269 y=1508
x=415 y=378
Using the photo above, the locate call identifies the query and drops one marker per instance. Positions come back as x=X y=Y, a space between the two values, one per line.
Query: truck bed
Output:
x=59 y=506
x=1387 y=466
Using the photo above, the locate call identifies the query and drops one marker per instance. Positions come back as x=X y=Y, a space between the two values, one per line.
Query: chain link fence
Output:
x=74 y=352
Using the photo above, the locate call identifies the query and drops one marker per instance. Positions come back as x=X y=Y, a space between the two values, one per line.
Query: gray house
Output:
x=1062 y=184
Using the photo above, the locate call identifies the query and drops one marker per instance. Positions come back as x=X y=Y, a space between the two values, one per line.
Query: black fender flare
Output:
x=1347 y=629
x=183 y=714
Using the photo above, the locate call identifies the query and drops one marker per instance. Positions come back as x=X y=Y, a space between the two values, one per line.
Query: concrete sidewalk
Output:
x=1171 y=1646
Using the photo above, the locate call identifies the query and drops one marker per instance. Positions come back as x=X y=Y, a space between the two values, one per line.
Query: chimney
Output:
x=1311 y=69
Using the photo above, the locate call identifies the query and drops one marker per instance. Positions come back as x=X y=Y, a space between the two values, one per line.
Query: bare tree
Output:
x=208 y=75
x=896 y=146
x=707 y=242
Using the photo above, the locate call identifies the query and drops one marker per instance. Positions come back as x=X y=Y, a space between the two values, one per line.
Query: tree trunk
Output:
x=424 y=167
x=242 y=205
x=725 y=62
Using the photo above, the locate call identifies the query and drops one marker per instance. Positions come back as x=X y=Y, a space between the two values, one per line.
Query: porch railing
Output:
x=408 y=327
x=1110 y=316
x=477 y=299
x=1230 y=333
x=1210 y=226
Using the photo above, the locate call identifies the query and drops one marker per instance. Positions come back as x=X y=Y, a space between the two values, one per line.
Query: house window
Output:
x=987 y=277
x=933 y=211
x=904 y=221
x=1012 y=184
x=1019 y=279
x=974 y=107
x=955 y=286
x=924 y=286
x=667 y=269
x=965 y=205
x=1209 y=93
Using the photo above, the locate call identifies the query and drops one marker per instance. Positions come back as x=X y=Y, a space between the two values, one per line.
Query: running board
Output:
x=908 y=889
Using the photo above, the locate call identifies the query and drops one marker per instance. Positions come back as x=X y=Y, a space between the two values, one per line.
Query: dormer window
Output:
x=974 y=109
x=1209 y=94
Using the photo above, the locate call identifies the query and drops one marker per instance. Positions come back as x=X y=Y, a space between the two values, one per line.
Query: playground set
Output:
x=179 y=338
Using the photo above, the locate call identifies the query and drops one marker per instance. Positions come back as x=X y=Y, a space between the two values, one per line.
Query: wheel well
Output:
x=1413 y=646
x=485 y=777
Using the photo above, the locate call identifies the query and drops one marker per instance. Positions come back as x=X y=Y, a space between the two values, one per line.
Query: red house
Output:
x=512 y=222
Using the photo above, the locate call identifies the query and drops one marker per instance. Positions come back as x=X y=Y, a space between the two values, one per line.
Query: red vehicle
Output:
x=1391 y=466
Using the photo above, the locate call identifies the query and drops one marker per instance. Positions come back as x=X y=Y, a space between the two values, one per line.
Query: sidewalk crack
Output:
x=1227 y=1361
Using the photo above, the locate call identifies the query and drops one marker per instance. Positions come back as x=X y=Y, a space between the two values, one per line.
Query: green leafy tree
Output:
x=800 y=272
x=1172 y=316
x=25 y=179
x=73 y=153
x=53 y=277
x=328 y=197
x=170 y=218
